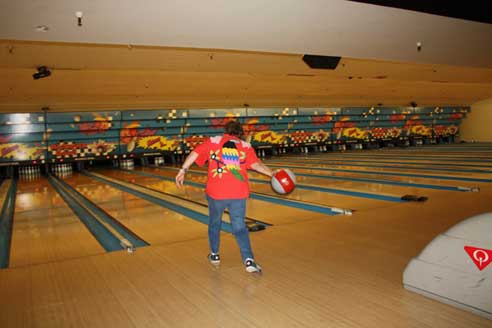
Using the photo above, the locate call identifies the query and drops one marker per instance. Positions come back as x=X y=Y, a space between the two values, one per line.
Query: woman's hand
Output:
x=180 y=178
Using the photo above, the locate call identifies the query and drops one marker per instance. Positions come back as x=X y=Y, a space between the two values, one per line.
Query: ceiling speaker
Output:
x=321 y=62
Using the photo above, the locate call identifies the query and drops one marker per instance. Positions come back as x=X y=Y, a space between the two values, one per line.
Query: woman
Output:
x=228 y=159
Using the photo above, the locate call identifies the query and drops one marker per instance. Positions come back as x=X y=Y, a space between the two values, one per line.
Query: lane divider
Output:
x=109 y=241
x=128 y=239
x=109 y=232
x=264 y=197
x=8 y=190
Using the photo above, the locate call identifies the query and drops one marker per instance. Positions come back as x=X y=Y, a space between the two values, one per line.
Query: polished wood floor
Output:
x=319 y=270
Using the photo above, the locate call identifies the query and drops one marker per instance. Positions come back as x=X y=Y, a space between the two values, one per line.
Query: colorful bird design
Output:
x=230 y=159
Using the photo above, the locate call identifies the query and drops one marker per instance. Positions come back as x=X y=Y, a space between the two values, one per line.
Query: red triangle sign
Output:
x=481 y=257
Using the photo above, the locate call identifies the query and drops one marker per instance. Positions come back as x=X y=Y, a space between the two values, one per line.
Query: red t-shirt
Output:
x=228 y=158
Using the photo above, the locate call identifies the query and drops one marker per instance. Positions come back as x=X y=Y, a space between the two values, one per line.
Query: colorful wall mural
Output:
x=22 y=137
x=57 y=137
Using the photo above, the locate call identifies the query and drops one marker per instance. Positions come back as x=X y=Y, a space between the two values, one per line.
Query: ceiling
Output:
x=192 y=53
x=325 y=27
x=477 y=11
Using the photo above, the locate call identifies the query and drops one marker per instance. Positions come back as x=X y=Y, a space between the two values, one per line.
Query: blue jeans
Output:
x=237 y=212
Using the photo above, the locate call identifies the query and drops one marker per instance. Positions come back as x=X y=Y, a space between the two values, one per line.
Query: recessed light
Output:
x=41 y=28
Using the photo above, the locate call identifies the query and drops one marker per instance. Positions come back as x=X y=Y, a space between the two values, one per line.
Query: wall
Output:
x=478 y=124
x=58 y=137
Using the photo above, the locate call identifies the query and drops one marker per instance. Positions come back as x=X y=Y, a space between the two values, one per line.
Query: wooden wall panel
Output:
x=98 y=76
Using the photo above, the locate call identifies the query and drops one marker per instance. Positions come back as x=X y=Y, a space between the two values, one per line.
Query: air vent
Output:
x=321 y=62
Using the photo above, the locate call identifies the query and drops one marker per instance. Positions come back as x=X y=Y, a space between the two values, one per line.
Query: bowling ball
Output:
x=283 y=181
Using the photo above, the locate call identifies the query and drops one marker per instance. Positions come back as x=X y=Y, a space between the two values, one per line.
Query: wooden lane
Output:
x=348 y=176
x=318 y=273
x=162 y=295
x=371 y=257
x=407 y=176
x=323 y=273
x=45 y=229
x=388 y=169
x=309 y=196
x=343 y=160
x=375 y=188
x=156 y=290
x=256 y=209
x=439 y=152
x=151 y=222
x=393 y=160
x=368 y=187
x=412 y=156
x=444 y=151
x=426 y=150
x=435 y=165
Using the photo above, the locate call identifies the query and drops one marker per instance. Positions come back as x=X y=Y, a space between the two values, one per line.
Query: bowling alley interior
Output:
x=379 y=114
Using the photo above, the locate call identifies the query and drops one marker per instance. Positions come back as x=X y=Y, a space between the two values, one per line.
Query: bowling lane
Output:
x=409 y=164
x=256 y=209
x=380 y=155
x=428 y=174
x=324 y=169
x=341 y=160
x=45 y=229
x=153 y=223
x=308 y=196
x=442 y=152
x=368 y=187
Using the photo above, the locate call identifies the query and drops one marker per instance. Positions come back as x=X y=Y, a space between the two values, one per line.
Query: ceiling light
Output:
x=79 y=15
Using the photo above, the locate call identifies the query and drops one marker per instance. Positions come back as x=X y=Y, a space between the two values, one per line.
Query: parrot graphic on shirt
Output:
x=230 y=159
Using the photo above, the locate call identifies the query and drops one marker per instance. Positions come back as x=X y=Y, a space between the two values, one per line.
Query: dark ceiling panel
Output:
x=478 y=11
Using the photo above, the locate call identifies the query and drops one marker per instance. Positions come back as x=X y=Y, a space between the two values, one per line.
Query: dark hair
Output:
x=233 y=128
